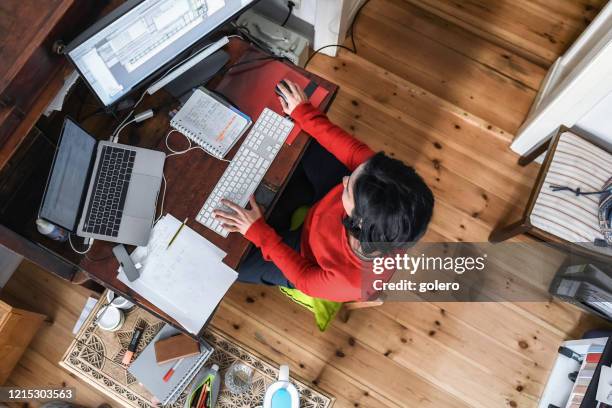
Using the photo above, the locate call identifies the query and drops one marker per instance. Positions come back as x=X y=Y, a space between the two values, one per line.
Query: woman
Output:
x=379 y=205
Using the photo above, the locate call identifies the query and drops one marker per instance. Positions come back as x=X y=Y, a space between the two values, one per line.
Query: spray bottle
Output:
x=282 y=394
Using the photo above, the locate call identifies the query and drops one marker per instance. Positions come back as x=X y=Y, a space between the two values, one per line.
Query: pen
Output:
x=176 y=233
x=171 y=371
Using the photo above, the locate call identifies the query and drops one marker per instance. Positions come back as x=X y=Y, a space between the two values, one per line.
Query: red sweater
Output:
x=326 y=266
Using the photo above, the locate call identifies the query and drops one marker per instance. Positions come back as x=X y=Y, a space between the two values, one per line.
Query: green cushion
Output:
x=298 y=217
x=324 y=310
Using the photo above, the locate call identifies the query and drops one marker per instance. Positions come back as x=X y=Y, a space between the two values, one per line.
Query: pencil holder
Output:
x=209 y=378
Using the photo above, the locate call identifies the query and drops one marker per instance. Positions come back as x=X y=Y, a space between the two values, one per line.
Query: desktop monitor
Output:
x=141 y=38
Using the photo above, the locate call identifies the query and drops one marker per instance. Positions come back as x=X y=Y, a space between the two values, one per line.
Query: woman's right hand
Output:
x=294 y=96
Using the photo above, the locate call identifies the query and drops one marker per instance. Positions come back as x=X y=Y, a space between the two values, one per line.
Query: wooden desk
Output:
x=31 y=74
x=190 y=179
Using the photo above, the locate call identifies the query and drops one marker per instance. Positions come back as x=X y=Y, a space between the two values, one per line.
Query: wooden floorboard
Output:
x=538 y=30
x=34 y=289
x=443 y=86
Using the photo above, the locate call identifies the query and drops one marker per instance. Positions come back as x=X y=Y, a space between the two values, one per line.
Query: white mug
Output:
x=110 y=318
x=118 y=301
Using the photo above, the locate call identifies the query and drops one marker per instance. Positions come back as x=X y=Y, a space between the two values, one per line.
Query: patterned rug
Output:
x=95 y=357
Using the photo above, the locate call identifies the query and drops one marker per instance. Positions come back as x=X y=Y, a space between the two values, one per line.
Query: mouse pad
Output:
x=253 y=85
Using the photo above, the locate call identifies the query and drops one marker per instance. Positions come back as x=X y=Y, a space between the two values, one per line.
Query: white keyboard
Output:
x=247 y=168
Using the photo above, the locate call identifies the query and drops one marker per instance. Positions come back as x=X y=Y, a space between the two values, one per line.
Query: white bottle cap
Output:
x=283 y=373
x=44 y=227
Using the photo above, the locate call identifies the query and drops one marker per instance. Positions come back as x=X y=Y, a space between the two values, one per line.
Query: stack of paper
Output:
x=187 y=280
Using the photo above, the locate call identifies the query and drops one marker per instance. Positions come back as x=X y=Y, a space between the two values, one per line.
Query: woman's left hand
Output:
x=241 y=219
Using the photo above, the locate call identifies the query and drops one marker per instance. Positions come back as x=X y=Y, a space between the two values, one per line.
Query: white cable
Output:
x=112 y=136
x=188 y=149
x=77 y=251
x=177 y=153
x=115 y=138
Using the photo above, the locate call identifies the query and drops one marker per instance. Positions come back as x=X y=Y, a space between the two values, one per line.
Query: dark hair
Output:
x=393 y=206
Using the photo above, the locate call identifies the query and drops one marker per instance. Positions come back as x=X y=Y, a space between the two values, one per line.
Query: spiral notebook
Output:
x=150 y=374
x=210 y=122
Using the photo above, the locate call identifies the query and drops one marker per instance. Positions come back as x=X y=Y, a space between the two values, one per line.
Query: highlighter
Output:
x=127 y=357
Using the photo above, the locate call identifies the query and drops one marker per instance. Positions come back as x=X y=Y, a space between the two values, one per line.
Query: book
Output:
x=150 y=374
x=210 y=122
x=175 y=347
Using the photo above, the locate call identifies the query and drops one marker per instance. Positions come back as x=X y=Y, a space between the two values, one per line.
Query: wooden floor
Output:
x=442 y=85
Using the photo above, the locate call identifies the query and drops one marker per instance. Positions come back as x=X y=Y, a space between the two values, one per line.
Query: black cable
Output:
x=244 y=32
x=239 y=63
x=99 y=259
x=576 y=191
x=97 y=112
x=225 y=98
x=290 y=6
x=324 y=47
x=351 y=32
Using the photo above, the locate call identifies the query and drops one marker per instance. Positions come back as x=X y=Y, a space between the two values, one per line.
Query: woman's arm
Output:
x=307 y=276
x=350 y=151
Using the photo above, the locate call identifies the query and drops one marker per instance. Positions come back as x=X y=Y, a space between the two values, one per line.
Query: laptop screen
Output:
x=69 y=177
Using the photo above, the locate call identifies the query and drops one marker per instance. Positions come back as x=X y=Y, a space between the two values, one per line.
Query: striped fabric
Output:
x=576 y=163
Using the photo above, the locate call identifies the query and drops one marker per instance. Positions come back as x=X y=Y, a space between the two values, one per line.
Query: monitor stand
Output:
x=198 y=75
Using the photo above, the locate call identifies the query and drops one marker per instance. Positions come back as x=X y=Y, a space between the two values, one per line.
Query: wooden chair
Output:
x=563 y=216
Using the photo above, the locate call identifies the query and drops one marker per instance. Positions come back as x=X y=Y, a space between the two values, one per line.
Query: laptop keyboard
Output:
x=109 y=191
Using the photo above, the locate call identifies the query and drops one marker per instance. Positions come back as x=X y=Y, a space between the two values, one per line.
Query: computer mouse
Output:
x=277 y=89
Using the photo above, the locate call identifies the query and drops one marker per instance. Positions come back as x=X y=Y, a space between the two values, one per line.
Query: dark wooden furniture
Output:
x=32 y=71
x=190 y=178
x=31 y=74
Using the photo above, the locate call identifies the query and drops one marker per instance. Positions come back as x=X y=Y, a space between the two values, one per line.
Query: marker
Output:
x=171 y=371
x=127 y=357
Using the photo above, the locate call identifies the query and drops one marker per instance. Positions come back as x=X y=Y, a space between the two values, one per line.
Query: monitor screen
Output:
x=118 y=56
x=69 y=177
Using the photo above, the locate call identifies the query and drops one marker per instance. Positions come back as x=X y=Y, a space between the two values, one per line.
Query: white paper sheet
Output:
x=89 y=306
x=604 y=387
x=58 y=101
x=187 y=280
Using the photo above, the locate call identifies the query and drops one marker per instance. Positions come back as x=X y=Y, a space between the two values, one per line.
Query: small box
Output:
x=175 y=347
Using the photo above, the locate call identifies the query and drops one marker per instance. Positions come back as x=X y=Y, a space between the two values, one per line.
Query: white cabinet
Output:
x=576 y=91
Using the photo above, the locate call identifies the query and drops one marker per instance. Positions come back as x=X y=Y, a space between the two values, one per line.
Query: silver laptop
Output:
x=107 y=191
